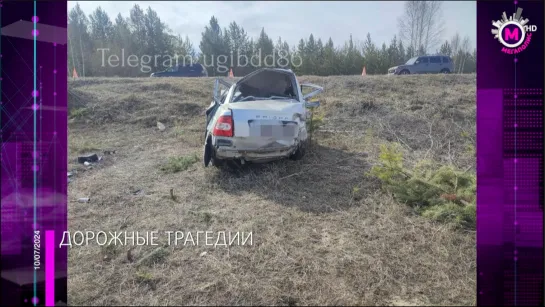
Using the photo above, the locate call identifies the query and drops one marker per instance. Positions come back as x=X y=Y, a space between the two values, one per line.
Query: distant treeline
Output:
x=142 y=43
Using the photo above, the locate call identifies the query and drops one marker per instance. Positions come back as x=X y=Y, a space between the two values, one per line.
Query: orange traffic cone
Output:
x=74 y=74
x=364 y=73
x=231 y=73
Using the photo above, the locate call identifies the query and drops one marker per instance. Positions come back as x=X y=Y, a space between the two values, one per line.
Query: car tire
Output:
x=445 y=71
x=300 y=151
x=215 y=161
x=209 y=157
x=404 y=72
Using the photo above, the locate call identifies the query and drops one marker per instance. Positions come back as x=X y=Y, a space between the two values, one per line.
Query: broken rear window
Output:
x=264 y=85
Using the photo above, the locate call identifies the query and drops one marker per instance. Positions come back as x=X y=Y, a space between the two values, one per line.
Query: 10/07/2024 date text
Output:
x=37 y=241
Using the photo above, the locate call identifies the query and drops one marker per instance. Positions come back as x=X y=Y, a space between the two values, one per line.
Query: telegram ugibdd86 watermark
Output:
x=222 y=63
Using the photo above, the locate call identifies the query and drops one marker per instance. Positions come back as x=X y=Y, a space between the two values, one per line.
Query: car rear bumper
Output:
x=253 y=155
x=226 y=149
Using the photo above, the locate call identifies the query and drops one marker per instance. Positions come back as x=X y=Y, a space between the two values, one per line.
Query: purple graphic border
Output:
x=34 y=140
x=509 y=161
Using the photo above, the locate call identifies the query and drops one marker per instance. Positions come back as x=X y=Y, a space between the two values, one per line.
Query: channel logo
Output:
x=514 y=33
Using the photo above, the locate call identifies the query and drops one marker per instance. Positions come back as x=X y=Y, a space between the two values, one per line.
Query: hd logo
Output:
x=514 y=33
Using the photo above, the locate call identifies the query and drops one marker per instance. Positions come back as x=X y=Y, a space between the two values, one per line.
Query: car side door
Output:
x=421 y=65
x=194 y=71
x=436 y=65
x=306 y=92
x=183 y=71
x=447 y=64
x=221 y=91
x=171 y=71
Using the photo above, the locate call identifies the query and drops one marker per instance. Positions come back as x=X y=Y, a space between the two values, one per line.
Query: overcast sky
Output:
x=293 y=20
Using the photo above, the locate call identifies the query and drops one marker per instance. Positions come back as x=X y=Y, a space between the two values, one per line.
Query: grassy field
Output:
x=324 y=231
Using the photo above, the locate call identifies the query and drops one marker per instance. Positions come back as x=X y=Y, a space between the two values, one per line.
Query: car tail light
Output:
x=224 y=126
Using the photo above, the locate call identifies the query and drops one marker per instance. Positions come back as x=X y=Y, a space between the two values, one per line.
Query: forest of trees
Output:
x=93 y=38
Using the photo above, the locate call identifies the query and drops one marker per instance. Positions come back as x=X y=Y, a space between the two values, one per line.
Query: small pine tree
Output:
x=442 y=194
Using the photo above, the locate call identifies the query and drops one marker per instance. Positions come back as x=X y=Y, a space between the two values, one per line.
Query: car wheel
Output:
x=445 y=71
x=404 y=72
x=300 y=151
x=209 y=155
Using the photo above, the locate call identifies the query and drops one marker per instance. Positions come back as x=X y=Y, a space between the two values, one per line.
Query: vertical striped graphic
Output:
x=50 y=268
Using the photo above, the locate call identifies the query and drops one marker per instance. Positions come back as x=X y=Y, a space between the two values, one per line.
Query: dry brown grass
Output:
x=316 y=241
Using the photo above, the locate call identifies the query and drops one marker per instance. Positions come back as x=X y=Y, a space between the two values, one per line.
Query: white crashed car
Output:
x=260 y=118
